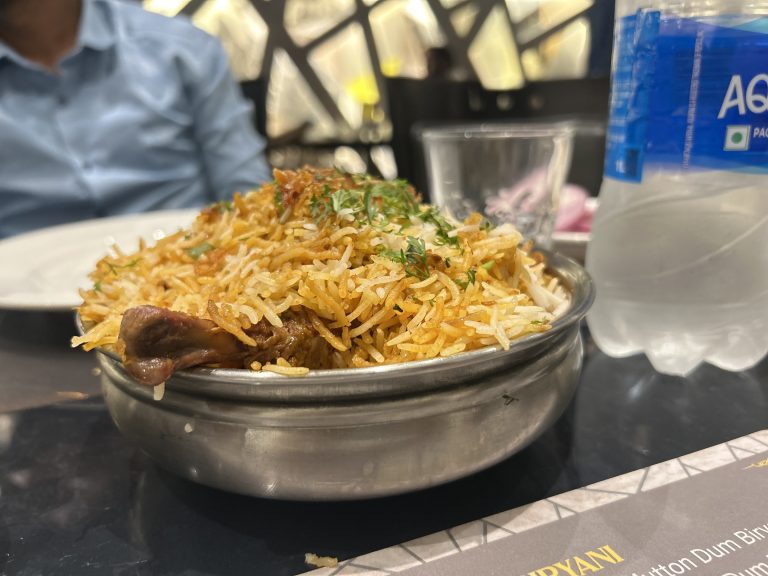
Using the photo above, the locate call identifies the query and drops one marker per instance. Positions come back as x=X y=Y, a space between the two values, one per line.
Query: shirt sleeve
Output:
x=233 y=153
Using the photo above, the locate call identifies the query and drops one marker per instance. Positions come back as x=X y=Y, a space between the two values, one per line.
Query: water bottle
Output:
x=679 y=247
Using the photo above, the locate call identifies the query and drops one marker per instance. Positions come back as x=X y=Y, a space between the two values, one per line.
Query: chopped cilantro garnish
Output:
x=397 y=308
x=279 y=200
x=414 y=258
x=196 y=251
x=320 y=205
x=370 y=212
x=394 y=200
x=115 y=267
x=373 y=202
x=470 y=279
x=97 y=286
x=346 y=200
x=223 y=206
x=442 y=227
x=381 y=204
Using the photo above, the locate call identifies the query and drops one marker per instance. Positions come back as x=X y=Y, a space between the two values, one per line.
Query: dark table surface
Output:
x=76 y=498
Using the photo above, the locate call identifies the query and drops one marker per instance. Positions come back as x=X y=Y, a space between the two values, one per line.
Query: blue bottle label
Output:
x=688 y=93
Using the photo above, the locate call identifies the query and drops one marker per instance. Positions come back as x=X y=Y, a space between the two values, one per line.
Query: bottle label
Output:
x=688 y=94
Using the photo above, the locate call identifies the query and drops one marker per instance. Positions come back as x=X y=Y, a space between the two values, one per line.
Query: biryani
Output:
x=317 y=269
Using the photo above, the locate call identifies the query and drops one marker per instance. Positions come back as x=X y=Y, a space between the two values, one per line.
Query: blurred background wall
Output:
x=331 y=79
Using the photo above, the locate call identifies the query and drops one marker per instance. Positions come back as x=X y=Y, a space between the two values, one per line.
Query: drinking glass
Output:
x=508 y=172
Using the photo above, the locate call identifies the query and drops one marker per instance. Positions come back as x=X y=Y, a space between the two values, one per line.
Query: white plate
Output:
x=43 y=270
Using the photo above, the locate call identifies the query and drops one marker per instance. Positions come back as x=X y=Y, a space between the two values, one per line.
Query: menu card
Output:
x=705 y=513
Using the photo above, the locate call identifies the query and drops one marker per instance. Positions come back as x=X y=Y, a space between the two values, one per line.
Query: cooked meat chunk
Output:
x=296 y=340
x=158 y=342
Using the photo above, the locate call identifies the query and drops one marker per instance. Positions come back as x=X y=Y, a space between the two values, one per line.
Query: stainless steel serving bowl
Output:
x=357 y=433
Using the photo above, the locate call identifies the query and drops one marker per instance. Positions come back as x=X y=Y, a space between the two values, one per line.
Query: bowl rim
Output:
x=386 y=379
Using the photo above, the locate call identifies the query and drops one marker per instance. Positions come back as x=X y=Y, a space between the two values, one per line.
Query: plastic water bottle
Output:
x=679 y=247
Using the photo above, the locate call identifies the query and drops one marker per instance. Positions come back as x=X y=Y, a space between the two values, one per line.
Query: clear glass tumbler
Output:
x=508 y=172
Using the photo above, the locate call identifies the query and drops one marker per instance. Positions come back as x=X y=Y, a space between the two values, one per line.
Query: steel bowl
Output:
x=362 y=432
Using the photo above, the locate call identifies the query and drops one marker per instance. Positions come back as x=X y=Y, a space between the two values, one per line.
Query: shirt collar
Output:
x=96 y=25
x=5 y=52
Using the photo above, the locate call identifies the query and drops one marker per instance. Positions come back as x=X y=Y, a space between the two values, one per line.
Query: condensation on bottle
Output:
x=679 y=247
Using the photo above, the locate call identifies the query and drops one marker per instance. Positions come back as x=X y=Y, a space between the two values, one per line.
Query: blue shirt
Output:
x=142 y=115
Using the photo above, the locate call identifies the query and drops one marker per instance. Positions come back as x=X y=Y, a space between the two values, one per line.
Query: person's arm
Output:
x=232 y=152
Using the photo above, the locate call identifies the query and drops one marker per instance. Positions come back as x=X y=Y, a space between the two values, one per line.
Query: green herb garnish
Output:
x=223 y=206
x=370 y=211
x=320 y=205
x=374 y=203
x=414 y=258
x=441 y=225
x=115 y=267
x=279 y=200
x=488 y=265
x=349 y=200
x=394 y=200
x=470 y=279
x=97 y=286
x=397 y=308
x=196 y=251
x=381 y=203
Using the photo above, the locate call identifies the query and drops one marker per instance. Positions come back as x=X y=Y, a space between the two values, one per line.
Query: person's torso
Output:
x=112 y=132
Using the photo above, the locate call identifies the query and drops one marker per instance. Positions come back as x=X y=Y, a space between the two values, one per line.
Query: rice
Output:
x=381 y=277
x=285 y=370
